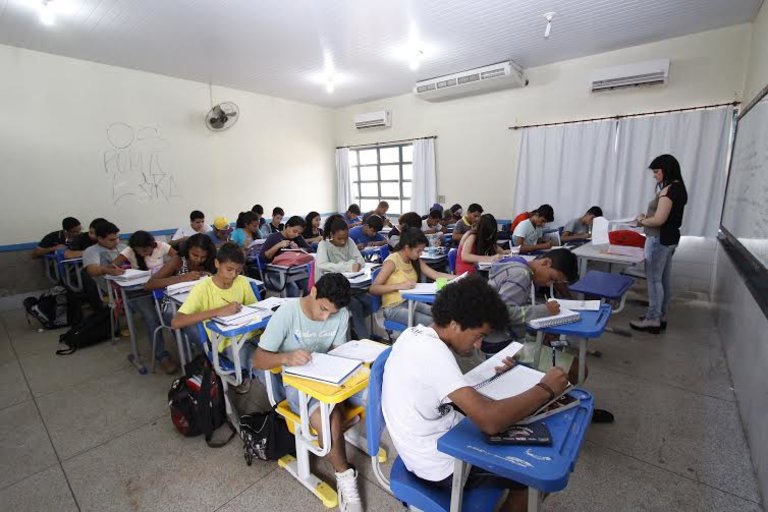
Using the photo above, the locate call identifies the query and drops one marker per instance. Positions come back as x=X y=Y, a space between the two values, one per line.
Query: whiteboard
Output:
x=745 y=212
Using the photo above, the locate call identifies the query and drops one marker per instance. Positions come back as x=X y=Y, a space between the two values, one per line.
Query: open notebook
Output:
x=325 y=368
x=430 y=288
x=565 y=316
x=132 y=275
x=360 y=350
x=246 y=315
x=579 y=305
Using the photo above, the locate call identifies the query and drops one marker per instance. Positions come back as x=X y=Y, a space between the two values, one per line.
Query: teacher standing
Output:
x=662 y=228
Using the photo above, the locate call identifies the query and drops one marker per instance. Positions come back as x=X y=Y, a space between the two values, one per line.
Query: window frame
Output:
x=357 y=181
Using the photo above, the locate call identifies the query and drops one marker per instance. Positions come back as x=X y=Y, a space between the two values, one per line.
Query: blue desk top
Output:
x=426 y=298
x=591 y=325
x=603 y=284
x=545 y=468
x=236 y=331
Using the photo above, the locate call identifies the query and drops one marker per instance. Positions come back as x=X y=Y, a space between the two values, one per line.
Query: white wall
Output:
x=757 y=65
x=53 y=139
x=477 y=155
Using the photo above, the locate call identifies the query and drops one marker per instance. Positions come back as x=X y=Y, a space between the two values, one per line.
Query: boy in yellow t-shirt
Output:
x=223 y=294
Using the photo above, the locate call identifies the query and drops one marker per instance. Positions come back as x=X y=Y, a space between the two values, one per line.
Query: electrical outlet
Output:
x=441 y=199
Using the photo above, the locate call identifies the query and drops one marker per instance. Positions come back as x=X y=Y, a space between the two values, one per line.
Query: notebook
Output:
x=245 y=316
x=431 y=288
x=132 y=275
x=365 y=351
x=487 y=369
x=510 y=383
x=325 y=368
x=183 y=287
x=565 y=316
x=579 y=305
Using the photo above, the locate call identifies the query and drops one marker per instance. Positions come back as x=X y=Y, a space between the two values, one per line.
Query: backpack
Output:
x=55 y=308
x=93 y=329
x=197 y=404
x=265 y=436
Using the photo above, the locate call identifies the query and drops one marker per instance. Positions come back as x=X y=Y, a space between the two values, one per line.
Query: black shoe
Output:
x=663 y=324
x=602 y=416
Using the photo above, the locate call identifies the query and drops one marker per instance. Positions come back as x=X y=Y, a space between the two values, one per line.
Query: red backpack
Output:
x=626 y=237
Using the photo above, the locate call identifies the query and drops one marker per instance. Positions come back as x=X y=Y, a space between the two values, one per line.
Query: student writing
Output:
x=528 y=233
x=479 y=245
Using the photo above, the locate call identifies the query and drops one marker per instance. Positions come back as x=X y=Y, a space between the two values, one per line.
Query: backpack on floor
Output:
x=197 y=404
x=93 y=329
x=265 y=436
x=55 y=308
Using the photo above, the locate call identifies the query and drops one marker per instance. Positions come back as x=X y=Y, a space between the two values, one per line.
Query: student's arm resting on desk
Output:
x=166 y=276
x=524 y=249
x=432 y=273
x=181 y=320
x=42 y=251
x=467 y=243
x=493 y=416
x=268 y=354
x=380 y=286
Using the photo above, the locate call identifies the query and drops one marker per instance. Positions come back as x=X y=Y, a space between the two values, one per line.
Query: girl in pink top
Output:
x=479 y=245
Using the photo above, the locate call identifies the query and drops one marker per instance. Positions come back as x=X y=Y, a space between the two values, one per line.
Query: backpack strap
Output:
x=205 y=406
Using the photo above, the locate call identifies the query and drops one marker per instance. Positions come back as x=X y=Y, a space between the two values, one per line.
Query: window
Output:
x=382 y=173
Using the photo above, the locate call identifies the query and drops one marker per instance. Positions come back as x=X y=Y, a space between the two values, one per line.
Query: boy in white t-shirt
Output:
x=196 y=225
x=528 y=234
x=414 y=401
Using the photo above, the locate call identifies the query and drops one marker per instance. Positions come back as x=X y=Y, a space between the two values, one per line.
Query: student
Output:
x=196 y=225
x=421 y=376
x=289 y=238
x=70 y=228
x=223 y=294
x=381 y=212
x=248 y=232
x=312 y=233
x=401 y=271
x=453 y=214
x=467 y=222
x=195 y=259
x=479 y=245
x=406 y=220
x=276 y=225
x=433 y=223
x=338 y=253
x=220 y=232
x=580 y=228
x=144 y=253
x=528 y=234
x=367 y=235
x=263 y=228
x=83 y=241
x=97 y=262
x=352 y=216
x=315 y=323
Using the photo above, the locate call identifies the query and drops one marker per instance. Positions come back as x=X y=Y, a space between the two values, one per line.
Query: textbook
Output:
x=325 y=368
x=183 y=287
x=565 y=316
x=579 y=305
x=365 y=351
x=530 y=435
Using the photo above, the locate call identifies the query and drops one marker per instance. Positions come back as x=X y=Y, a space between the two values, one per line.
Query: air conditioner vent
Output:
x=503 y=75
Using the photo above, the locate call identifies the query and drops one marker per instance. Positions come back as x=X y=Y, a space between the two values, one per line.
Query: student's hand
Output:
x=114 y=271
x=553 y=307
x=356 y=267
x=556 y=379
x=361 y=246
x=408 y=285
x=506 y=364
x=284 y=244
x=297 y=358
x=230 y=309
x=192 y=276
x=547 y=245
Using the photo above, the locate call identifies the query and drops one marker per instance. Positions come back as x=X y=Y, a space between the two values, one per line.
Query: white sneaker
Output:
x=346 y=487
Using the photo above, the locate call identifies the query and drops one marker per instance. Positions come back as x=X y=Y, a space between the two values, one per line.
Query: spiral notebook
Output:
x=565 y=316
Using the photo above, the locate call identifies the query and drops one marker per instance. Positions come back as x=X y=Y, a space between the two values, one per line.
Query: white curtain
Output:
x=424 y=189
x=343 y=183
x=571 y=167
x=699 y=140
x=605 y=163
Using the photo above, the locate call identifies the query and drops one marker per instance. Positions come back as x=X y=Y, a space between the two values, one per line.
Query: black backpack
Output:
x=56 y=308
x=265 y=436
x=197 y=402
x=93 y=329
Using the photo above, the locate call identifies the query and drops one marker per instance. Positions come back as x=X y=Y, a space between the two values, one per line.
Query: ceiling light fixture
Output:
x=45 y=13
x=329 y=73
x=415 y=60
x=548 y=16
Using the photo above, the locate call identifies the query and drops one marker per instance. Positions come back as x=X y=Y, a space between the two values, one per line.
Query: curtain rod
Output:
x=387 y=143
x=733 y=103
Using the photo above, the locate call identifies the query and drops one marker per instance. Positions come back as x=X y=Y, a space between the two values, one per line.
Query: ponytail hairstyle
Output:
x=141 y=239
x=486 y=234
x=412 y=237
x=670 y=170
x=334 y=224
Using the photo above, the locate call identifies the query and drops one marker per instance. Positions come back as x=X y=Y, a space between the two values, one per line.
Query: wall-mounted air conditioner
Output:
x=504 y=75
x=642 y=73
x=373 y=119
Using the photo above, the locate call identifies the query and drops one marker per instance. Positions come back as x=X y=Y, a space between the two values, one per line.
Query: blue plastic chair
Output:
x=404 y=485
x=383 y=253
x=389 y=325
x=452 y=254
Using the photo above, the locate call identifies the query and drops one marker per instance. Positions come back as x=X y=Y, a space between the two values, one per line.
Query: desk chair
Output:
x=402 y=484
x=306 y=437
x=389 y=326
x=452 y=255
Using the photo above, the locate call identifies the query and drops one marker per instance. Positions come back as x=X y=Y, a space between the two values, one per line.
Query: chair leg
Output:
x=154 y=346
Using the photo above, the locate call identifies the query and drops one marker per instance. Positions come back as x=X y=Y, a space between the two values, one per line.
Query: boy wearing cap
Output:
x=220 y=232
x=528 y=234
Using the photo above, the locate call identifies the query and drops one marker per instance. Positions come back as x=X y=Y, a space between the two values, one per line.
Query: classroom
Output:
x=336 y=255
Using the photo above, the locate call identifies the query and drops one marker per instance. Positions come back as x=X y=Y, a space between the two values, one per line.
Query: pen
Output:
x=553 y=356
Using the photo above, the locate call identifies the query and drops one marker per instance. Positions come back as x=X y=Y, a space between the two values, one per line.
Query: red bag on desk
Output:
x=626 y=237
x=292 y=258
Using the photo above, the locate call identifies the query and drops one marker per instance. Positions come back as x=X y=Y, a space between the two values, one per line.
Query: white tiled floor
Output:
x=86 y=432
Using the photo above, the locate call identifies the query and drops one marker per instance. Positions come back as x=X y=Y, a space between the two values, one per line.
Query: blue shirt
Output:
x=358 y=235
x=353 y=220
